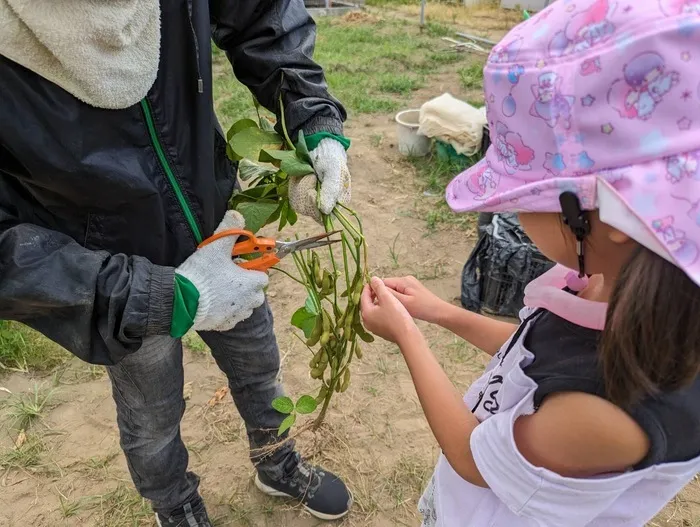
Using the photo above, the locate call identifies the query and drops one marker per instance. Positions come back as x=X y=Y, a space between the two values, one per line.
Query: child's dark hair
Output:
x=651 y=340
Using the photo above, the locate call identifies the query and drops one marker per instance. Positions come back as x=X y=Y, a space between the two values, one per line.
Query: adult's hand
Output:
x=228 y=294
x=331 y=165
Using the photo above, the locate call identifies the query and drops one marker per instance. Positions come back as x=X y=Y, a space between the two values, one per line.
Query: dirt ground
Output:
x=376 y=437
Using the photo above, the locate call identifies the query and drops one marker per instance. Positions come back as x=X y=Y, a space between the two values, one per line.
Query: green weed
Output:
x=471 y=77
x=27 y=455
x=26 y=409
x=23 y=349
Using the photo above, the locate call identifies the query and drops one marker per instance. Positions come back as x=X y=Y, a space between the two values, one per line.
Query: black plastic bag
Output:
x=503 y=262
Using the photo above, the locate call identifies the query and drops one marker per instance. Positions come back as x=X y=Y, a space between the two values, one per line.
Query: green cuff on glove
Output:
x=312 y=141
x=185 y=303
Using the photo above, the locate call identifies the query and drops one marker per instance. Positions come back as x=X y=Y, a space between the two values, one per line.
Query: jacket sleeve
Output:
x=270 y=44
x=96 y=305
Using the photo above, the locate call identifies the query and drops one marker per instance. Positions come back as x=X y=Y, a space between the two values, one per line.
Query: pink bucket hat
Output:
x=600 y=98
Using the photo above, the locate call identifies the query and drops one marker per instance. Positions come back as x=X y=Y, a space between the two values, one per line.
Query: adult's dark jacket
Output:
x=98 y=206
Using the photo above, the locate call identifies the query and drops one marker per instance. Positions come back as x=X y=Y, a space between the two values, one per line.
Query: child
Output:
x=589 y=412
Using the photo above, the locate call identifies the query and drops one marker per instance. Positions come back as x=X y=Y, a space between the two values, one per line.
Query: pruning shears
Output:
x=271 y=251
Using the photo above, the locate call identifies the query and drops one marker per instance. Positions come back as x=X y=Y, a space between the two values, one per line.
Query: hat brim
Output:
x=488 y=188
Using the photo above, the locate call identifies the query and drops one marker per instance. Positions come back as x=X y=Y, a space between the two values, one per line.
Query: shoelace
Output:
x=306 y=477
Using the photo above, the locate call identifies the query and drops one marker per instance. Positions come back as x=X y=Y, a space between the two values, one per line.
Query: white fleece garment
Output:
x=103 y=52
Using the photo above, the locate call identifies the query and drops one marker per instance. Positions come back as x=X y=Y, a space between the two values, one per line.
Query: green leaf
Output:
x=287 y=424
x=248 y=170
x=266 y=125
x=238 y=126
x=303 y=149
x=306 y=404
x=283 y=214
x=304 y=320
x=292 y=216
x=287 y=161
x=259 y=191
x=256 y=214
x=248 y=143
x=275 y=215
x=310 y=305
x=283 y=405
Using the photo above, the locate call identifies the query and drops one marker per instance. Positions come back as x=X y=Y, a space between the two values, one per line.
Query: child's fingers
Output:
x=399 y=296
x=366 y=300
x=397 y=284
x=379 y=288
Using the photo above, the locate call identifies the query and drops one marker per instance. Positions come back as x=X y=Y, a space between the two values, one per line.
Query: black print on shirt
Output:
x=490 y=396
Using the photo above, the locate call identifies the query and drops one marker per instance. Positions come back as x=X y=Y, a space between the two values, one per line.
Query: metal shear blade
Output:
x=286 y=248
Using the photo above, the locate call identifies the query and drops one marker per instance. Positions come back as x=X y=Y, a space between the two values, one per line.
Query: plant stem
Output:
x=289 y=275
x=329 y=228
x=322 y=414
x=284 y=125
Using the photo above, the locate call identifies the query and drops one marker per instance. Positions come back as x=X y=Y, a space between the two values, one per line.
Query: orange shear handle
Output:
x=249 y=244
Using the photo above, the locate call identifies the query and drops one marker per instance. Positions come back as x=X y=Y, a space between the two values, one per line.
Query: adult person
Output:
x=112 y=171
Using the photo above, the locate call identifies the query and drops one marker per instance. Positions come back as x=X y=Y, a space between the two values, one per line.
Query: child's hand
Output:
x=384 y=315
x=419 y=301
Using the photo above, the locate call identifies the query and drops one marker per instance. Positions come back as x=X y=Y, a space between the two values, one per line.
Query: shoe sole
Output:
x=278 y=494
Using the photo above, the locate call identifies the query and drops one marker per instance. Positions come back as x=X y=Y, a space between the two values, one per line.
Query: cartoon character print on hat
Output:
x=551 y=105
x=682 y=166
x=585 y=29
x=643 y=87
x=509 y=106
x=482 y=183
x=684 y=250
x=506 y=52
x=512 y=151
x=679 y=7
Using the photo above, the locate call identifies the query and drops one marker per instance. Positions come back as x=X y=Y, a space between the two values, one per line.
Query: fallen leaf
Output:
x=218 y=396
x=187 y=391
x=21 y=439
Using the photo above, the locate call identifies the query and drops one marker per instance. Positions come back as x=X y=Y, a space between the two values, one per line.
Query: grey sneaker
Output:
x=192 y=514
x=321 y=493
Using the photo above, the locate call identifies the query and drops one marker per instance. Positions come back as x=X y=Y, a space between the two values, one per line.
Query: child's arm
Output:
x=485 y=333
x=573 y=434
x=450 y=420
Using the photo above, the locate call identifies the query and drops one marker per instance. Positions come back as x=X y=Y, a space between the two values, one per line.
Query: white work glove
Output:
x=228 y=294
x=331 y=165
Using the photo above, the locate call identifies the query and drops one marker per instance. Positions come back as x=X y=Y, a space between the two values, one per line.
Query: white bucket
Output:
x=411 y=143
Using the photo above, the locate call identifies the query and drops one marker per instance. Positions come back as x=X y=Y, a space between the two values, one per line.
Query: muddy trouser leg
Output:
x=147 y=388
x=249 y=356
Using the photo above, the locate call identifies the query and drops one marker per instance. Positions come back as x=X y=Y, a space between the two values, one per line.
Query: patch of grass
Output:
x=242 y=512
x=471 y=77
x=393 y=253
x=97 y=467
x=23 y=349
x=70 y=508
x=27 y=455
x=356 y=59
x=194 y=343
x=120 y=507
x=26 y=409
x=435 y=175
x=437 y=30
x=408 y=479
x=445 y=58
x=400 y=84
x=376 y=140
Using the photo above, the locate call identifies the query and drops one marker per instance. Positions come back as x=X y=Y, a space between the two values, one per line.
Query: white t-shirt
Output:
x=522 y=495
